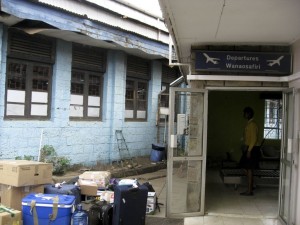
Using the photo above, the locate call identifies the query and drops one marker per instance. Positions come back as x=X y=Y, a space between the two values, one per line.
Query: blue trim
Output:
x=64 y=20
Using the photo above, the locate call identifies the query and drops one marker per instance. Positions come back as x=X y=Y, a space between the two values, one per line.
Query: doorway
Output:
x=220 y=114
x=224 y=179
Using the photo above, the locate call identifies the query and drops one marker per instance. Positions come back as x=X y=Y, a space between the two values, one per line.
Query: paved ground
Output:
x=222 y=210
x=144 y=171
x=163 y=221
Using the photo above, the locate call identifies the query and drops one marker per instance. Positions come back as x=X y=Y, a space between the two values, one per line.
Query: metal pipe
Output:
x=171 y=64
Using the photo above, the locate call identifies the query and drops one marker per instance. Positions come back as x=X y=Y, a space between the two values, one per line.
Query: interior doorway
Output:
x=224 y=179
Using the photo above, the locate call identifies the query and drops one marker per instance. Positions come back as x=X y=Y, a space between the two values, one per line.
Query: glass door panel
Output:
x=286 y=158
x=186 y=152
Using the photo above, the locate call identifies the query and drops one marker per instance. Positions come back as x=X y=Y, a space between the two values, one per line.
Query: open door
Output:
x=186 y=152
x=286 y=158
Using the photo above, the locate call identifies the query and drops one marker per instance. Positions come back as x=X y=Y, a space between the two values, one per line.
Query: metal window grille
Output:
x=273 y=119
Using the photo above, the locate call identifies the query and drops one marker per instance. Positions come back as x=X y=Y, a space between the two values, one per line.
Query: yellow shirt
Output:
x=251 y=134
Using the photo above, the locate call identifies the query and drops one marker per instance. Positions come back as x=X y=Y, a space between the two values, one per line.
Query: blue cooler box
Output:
x=48 y=209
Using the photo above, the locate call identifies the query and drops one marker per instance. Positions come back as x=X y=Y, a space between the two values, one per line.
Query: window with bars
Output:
x=86 y=89
x=28 y=89
x=136 y=99
x=138 y=76
x=28 y=75
x=88 y=67
x=273 y=119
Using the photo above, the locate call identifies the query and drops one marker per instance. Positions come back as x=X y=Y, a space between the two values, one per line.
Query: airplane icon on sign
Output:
x=210 y=59
x=272 y=62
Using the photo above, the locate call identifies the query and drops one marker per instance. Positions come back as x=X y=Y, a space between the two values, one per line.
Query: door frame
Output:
x=292 y=163
x=294 y=145
x=246 y=89
x=171 y=158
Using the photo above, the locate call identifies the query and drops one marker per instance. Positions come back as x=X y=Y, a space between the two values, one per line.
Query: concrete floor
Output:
x=223 y=205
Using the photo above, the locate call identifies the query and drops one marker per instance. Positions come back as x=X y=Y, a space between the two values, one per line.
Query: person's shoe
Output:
x=246 y=193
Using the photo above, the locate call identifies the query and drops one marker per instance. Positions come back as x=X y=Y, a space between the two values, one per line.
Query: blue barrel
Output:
x=80 y=217
x=157 y=152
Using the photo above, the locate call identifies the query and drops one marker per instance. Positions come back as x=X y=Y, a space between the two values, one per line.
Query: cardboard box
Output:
x=10 y=216
x=12 y=196
x=19 y=173
x=100 y=177
x=151 y=203
x=107 y=196
x=88 y=187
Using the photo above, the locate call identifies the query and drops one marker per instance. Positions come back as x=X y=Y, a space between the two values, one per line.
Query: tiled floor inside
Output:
x=225 y=206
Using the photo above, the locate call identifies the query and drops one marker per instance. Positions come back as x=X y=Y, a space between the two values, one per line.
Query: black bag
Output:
x=64 y=189
x=151 y=189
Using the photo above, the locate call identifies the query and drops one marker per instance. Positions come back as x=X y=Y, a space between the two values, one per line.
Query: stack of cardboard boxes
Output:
x=94 y=183
x=18 y=178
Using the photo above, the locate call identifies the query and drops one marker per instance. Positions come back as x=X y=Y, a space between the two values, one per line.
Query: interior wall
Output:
x=226 y=123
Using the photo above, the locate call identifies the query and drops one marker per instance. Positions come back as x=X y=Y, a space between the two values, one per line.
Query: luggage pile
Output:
x=29 y=197
x=18 y=179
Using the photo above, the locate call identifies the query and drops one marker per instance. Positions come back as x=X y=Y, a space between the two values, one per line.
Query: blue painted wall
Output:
x=83 y=142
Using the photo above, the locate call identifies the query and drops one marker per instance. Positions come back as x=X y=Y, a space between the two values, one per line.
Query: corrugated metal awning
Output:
x=61 y=24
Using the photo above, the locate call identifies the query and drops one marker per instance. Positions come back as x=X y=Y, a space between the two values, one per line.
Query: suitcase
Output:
x=107 y=214
x=100 y=213
x=94 y=214
x=64 y=189
x=130 y=205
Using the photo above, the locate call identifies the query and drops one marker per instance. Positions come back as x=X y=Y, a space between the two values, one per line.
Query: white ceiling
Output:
x=232 y=22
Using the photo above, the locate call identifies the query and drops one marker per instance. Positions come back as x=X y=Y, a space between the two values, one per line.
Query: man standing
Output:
x=250 y=158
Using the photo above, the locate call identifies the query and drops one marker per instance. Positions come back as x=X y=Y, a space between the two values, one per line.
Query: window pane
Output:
x=15 y=110
x=40 y=78
x=129 y=104
x=77 y=76
x=76 y=111
x=40 y=97
x=16 y=76
x=41 y=72
x=77 y=88
x=94 y=101
x=77 y=83
x=16 y=96
x=273 y=120
x=142 y=91
x=164 y=100
x=129 y=114
x=38 y=110
x=76 y=100
x=141 y=114
x=142 y=105
x=94 y=85
x=129 y=89
x=93 y=112
x=40 y=85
